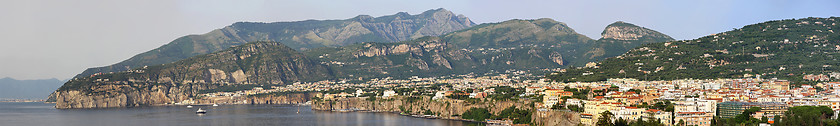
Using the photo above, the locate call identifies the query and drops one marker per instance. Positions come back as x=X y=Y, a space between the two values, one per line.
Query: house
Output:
x=653 y=115
x=694 y=118
x=389 y=93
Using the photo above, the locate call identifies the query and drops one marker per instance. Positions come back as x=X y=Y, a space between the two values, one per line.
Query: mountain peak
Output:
x=439 y=10
x=402 y=14
x=621 y=23
x=620 y=30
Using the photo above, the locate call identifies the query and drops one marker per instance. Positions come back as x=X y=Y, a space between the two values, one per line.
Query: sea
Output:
x=43 y=114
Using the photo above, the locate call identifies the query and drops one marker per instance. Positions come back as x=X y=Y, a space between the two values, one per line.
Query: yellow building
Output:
x=694 y=118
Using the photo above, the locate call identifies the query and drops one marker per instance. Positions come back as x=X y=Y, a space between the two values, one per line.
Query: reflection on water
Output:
x=35 y=114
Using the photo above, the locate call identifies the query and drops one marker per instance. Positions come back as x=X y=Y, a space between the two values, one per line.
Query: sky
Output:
x=42 y=39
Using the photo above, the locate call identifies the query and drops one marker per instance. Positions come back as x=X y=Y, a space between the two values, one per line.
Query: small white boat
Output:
x=189 y=106
x=200 y=111
x=215 y=104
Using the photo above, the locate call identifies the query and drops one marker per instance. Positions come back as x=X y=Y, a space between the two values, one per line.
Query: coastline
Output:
x=401 y=114
x=449 y=109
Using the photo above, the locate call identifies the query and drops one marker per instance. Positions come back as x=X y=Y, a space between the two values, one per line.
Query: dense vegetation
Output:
x=519 y=116
x=477 y=114
x=506 y=93
x=606 y=119
x=807 y=116
x=795 y=116
x=785 y=49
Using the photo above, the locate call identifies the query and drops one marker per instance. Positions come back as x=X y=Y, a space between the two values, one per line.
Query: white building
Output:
x=389 y=93
x=695 y=105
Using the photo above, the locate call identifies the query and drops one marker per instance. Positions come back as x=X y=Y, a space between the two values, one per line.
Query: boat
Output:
x=215 y=104
x=189 y=106
x=200 y=111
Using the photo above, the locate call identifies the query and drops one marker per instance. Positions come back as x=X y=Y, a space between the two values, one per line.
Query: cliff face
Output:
x=403 y=27
x=110 y=95
x=299 y=35
x=252 y=63
x=444 y=108
x=626 y=31
x=294 y=98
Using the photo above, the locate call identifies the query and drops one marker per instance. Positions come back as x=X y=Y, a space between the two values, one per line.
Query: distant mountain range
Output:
x=450 y=47
x=786 y=49
x=28 y=89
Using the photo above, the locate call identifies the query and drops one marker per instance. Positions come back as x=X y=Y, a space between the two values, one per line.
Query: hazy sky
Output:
x=61 y=38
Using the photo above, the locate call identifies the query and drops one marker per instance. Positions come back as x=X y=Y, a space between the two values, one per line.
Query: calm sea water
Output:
x=42 y=114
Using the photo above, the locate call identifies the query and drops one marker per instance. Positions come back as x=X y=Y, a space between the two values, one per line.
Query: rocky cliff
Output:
x=625 y=31
x=252 y=63
x=444 y=108
x=298 y=35
x=619 y=37
x=289 y=98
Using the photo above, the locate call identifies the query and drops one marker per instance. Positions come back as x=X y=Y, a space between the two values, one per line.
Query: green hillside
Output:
x=786 y=49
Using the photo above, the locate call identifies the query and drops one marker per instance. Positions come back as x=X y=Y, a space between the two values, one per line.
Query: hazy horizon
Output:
x=46 y=39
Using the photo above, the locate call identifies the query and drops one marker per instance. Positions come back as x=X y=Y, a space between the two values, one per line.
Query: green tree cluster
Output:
x=519 y=116
x=477 y=114
x=807 y=116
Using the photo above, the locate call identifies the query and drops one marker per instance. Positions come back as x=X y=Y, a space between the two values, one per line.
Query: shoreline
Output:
x=402 y=114
x=311 y=108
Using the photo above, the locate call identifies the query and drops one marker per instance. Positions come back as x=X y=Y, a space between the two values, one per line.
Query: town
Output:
x=673 y=102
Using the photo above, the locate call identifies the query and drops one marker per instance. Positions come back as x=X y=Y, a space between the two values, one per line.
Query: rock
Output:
x=626 y=31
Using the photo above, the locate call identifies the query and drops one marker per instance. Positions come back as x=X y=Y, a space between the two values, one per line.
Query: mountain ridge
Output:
x=300 y=35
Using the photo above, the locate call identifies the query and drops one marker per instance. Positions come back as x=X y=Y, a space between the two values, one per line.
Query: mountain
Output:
x=510 y=45
x=300 y=35
x=27 y=89
x=264 y=63
x=530 y=45
x=514 y=44
x=786 y=49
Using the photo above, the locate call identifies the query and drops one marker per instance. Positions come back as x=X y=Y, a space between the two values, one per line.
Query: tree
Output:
x=621 y=122
x=477 y=114
x=605 y=119
x=557 y=106
x=681 y=123
x=806 y=116
x=764 y=119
